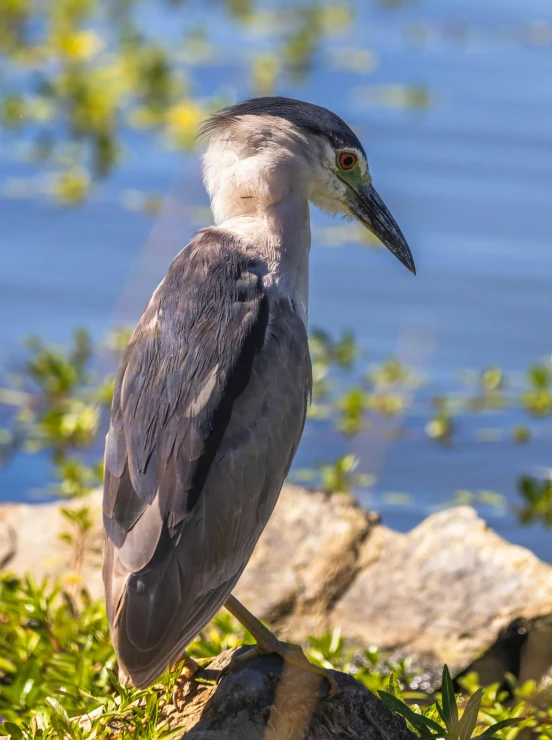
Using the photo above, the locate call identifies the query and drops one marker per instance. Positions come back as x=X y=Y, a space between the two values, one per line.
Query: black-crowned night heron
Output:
x=212 y=391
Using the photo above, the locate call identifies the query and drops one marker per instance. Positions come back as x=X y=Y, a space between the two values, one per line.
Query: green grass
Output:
x=57 y=664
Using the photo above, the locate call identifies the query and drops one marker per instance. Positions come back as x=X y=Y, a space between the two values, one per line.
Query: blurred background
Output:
x=430 y=391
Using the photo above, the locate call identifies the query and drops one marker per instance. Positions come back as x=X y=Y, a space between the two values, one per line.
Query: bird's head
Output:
x=300 y=146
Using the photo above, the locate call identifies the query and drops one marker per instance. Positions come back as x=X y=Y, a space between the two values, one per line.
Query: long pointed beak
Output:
x=370 y=210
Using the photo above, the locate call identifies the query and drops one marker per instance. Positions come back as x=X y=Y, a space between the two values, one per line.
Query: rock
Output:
x=306 y=557
x=30 y=541
x=262 y=702
x=305 y=560
x=444 y=592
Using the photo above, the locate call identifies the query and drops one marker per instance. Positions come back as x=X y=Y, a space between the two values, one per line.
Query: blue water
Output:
x=469 y=179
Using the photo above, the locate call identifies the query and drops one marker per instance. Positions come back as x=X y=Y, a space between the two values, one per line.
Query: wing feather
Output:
x=189 y=359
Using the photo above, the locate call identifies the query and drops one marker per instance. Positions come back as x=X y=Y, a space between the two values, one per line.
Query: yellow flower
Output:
x=182 y=122
x=80 y=46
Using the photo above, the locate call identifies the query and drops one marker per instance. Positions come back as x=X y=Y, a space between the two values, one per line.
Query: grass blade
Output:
x=417 y=720
x=490 y=731
x=394 y=687
x=450 y=710
x=469 y=717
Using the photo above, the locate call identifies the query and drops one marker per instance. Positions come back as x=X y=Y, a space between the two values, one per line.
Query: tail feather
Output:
x=154 y=616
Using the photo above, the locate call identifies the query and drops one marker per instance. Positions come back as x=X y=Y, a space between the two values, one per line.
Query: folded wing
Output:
x=189 y=359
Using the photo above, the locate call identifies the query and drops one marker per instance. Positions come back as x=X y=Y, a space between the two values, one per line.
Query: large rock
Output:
x=307 y=557
x=444 y=592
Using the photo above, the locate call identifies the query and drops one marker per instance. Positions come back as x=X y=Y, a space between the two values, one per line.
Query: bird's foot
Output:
x=289 y=652
x=189 y=668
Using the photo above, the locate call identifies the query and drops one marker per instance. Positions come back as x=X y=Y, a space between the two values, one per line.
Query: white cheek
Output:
x=328 y=192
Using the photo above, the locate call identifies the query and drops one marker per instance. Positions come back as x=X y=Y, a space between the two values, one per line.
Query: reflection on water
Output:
x=452 y=101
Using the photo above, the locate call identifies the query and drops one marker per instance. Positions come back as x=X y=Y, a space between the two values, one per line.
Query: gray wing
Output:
x=189 y=359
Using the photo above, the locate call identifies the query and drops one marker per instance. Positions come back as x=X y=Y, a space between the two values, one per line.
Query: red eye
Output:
x=347 y=160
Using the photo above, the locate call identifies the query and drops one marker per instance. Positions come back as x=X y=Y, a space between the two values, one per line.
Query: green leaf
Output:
x=469 y=717
x=450 y=710
x=441 y=714
x=56 y=707
x=394 y=687
x=417 y=720
x=13 y=730
x=490 y=732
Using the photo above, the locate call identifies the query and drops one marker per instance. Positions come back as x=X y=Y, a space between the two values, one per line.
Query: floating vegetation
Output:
x=485 y=498
x=537 y=500
x=408 y=97
x=341 y=476
x=538 y=398
x=440 y=428
x=59 y=404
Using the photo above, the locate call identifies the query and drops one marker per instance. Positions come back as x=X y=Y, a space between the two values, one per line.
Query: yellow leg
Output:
x=189 y=666
x=188 y=669
x=269 y=643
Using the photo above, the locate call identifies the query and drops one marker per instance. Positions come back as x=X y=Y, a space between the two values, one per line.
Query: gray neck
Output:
x=279 y=233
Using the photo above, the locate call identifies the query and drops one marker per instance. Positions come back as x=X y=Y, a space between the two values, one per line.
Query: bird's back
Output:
x=208 y=410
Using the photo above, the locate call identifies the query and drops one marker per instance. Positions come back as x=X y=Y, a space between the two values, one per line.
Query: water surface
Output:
x=468 y=176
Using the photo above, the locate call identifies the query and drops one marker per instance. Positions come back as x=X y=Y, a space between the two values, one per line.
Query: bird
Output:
x=212 y=391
